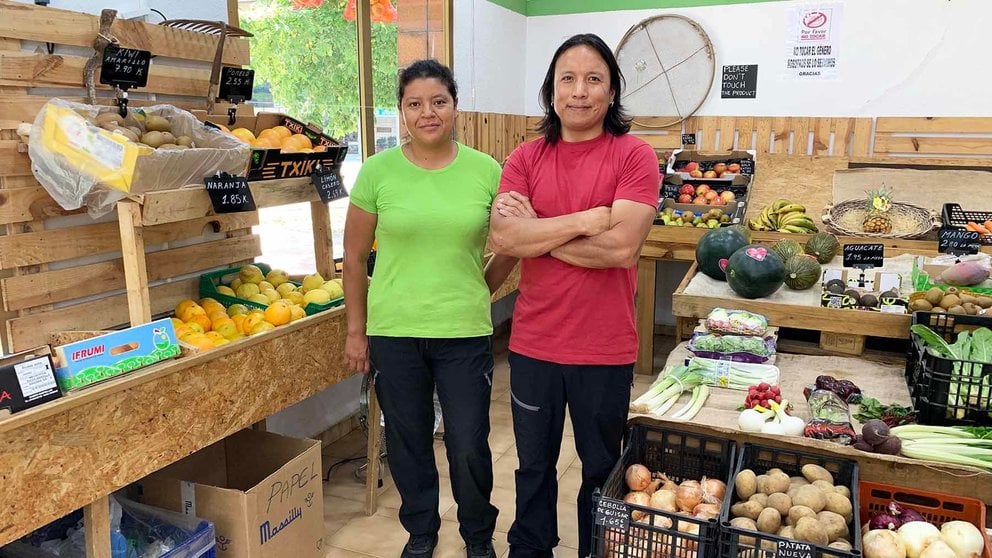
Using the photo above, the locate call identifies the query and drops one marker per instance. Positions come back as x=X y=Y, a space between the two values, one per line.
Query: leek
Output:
x=955 y=445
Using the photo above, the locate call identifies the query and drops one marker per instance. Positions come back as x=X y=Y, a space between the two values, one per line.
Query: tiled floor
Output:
x=350 y=533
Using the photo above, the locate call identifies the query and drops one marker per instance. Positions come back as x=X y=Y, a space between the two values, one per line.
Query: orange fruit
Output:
x=202 y=320
x=243 y=134
x=207 y=300
x=269 y=132
x=251 y=321
x=202 y=342
x=182 y=306
x=238 y=320
x=195 y=327
x=215 y=315
x=278 y=314
x=188 y=335
x=281 y=131
x=229 y=330
x=190 y=311
x=303 y=141
x=214 y=336
x=261 y=326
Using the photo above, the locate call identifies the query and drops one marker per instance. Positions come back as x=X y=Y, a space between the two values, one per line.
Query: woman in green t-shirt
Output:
x=423 y=323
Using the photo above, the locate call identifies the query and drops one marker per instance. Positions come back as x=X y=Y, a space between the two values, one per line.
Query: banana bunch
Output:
x=784 y=216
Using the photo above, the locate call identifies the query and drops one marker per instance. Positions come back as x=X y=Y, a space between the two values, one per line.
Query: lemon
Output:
x=224 y=290
x=317 y=296
x=247 y=290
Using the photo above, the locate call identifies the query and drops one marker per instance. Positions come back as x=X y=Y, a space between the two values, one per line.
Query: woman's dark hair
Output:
x=616 y=121
x=426 y=69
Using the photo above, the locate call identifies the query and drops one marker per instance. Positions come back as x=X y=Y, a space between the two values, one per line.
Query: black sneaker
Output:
x=420 y=546
x=481 y=550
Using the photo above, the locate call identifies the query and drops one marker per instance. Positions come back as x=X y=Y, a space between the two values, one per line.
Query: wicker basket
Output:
x=908 y=221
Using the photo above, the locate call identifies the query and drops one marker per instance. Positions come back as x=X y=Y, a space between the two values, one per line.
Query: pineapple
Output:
x=877 y=212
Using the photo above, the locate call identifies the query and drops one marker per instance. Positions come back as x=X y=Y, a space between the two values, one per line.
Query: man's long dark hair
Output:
x=616 y=121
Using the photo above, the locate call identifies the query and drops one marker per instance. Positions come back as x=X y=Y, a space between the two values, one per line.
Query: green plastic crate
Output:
x=210 y=281
x=922 y=281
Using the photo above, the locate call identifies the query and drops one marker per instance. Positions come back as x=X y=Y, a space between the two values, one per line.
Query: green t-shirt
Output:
x=431 y=233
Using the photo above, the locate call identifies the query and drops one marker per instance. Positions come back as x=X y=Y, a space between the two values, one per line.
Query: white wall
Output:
x=490 y=43
x=895 y=58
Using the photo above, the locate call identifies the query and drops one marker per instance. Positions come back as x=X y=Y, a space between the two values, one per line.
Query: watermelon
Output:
x=787 y=248
x=802 y=271
x=716 y=246
x=743 y=230
x=822 y=246
x=755 y=271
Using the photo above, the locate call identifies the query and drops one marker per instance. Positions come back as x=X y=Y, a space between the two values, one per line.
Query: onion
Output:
x=916 y=535
x=882 y=543
x=884 y=521
x=688 y=495
x=964 y=538
x=706 y=511
x=638 y=477
x=713 y=490
x=909 y=515
x=638 y=499
x=653 y=486
x=667 y=483
x=664 y=500
x=938 y=549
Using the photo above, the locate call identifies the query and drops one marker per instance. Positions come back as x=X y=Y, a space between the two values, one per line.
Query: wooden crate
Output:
x=934 y=137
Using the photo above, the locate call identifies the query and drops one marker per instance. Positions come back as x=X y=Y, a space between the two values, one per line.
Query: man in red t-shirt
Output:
x=575 y=206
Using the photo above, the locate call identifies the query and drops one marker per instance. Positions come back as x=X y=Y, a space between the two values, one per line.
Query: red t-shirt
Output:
x=564 y=313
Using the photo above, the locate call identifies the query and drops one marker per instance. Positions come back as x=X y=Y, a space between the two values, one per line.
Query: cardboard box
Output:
x=27 y=379
x=271 y=164
x=925 y=271
x=706 y=160
x=264 y=493
x=867 y=283
x=90 y=361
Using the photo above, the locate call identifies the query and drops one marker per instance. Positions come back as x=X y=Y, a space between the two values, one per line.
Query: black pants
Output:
x=407 y=371
x=597 y=399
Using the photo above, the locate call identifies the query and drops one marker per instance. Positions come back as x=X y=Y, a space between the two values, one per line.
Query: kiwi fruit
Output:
x=153 y=139
x=835 y=289
x=956 y=310
x=952 y=290
x=869 y=300
x=968 y=299
x=167 y=137
x=168 y=146
x=184 y=140
x=920 y=305
x=970 y=308
x=938 y=310
x=950 y=301
x=984 y=301
x=106 y=117
x=934 y=296
x=157 y=124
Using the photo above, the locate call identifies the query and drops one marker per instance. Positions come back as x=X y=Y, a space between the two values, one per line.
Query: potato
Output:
x=769 y=520
x=157 y=124
x=777 y=482
x=840 y=545
x=808 y=529
x=787 y=531
x=750 y=510
x=126 y=133
x=780 y=502
x=759 y=498
x=184 y=140
x=761 y=484
x=824 y=486
x=168 y=146
x=167 y=137
x=774 y=470
x=815 y=472
x=843 y=491
x=797 y=481
x=745 y=484
x=105 y=117
x=792 y=492
x=833 y=525
x=840 y=506
x=745 y=523
x=811 y=497
x=153 y=139
x=798 y=512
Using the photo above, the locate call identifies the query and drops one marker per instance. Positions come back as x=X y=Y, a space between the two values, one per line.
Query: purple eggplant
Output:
x=884 y=521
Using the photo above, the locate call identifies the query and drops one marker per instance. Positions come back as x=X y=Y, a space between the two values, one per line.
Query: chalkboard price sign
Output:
x=125 y=67
x=328 y=184
x=747 y=166
x=236 y=84
x=688 y=139
x=229 y=194
x=794 y=549
x=958 y=241
x=612 y=514
x=863 y=256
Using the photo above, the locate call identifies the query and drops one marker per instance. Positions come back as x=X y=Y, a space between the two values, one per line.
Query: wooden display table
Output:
x=883 y=381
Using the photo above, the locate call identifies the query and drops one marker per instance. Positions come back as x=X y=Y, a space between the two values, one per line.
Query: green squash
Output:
x=802 y=271
x=743 y=230
x=787 y=248
x=755 y=271
x=823 y=246
x=715 y=247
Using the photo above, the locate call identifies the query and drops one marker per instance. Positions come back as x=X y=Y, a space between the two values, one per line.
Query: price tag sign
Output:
x=747 y=166
x=328 y=184
x=794 y=549
x=863 y=256
x=125 y=67
x=236 y=84
x=958 y=241
x=723 y=372
x=229 y=194
x=612 y=514
x=688 y=139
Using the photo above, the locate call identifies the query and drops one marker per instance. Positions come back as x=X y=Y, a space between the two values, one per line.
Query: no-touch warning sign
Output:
x=813 y=34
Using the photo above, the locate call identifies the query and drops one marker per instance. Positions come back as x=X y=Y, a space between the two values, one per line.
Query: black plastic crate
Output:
x=952 y=215
x=761 y=459
x=681 y=456
x=949 y=392
x=670 y=187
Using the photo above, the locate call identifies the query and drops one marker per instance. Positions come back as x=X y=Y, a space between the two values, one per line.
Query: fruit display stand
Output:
x=885 y=381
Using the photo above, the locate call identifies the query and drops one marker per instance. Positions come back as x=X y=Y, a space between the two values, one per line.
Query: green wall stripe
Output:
x=562 y=7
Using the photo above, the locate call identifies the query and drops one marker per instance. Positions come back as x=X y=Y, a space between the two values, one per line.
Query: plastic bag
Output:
x=739 y=348
x=740 y=322
x=830 y=417
x=81 y=164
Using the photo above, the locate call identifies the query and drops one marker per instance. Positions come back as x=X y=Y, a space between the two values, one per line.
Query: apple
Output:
x=734 y=168
x=696 y=173
x=702 y=189
x=720 y=168
x=690 y=166
x=685 y=198
x=699 y=200
x=727 y=196
x=687 y=189
x=709 y=174
x=719 y=201
x=710 y=195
